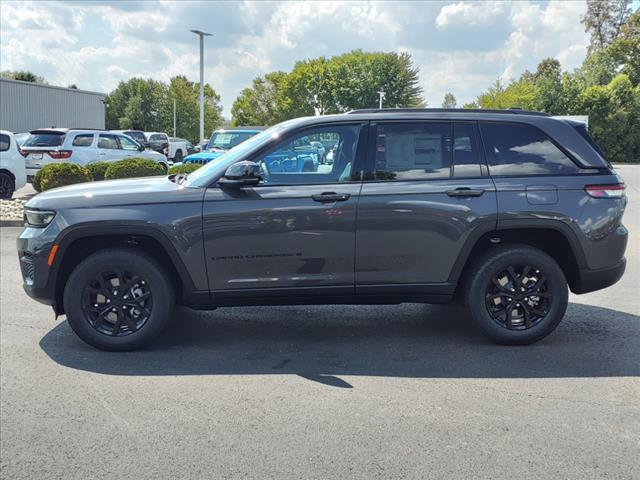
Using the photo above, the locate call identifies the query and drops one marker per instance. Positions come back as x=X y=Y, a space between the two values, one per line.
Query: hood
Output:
x=130 y=191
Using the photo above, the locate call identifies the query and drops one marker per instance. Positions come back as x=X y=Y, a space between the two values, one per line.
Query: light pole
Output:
x=381 y=96
x=201 y=34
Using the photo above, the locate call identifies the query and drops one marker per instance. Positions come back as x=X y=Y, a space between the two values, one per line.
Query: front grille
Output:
x=27 y=266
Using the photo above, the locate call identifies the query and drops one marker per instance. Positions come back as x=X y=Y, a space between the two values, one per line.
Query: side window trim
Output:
x=482 y=157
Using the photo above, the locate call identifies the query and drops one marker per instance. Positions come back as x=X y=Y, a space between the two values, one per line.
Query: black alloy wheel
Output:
x=518 y=297
x=117 y=302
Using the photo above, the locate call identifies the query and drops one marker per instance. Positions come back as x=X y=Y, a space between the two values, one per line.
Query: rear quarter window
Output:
x=83 y=140
x=514 y=149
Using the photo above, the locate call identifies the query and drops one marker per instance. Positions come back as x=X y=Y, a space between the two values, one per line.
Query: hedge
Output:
x=57 y=175
x=184 y=168
x=97 y=170
x=134 y=167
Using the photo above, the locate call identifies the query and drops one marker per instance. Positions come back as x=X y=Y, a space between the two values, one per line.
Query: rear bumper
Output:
x=592 y=280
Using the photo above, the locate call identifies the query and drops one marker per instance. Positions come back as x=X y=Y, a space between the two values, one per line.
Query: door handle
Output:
x=465 y=192
x=330 y=197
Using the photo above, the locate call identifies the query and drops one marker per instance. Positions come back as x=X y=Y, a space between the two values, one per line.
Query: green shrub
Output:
x=184 y=168
x=134 y=167
x=57 y=175
x=97 y=170
x=36 y=181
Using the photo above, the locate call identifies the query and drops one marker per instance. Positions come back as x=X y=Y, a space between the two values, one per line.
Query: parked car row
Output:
x=24 y=154
x=82 y=147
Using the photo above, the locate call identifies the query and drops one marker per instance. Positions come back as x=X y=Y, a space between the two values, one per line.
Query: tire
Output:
x=7 y=186
x=177 y=158
x=142 y=310
x=165 y=167
x=509 y=317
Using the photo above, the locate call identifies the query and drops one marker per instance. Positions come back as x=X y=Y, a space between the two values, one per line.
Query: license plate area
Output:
x=36 y=156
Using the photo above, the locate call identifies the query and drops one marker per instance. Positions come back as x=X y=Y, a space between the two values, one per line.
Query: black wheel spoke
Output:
x=131 y=322
x=117 y=323
x=515 y=279
x=527 y=315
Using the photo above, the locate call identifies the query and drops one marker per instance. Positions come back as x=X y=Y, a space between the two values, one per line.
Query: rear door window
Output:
x=412 y=151
x=45 y=139
x=467 y=158
x=109 y=142
x=518 y=150
x=5 y=142
x=83 y=140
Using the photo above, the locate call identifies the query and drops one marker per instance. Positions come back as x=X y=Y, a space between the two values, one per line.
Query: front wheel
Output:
x=118 y=299
x=177 y=158
x=516 y=294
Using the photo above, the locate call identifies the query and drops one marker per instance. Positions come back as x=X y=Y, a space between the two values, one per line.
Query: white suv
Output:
x=50 y=145
x=12 y=171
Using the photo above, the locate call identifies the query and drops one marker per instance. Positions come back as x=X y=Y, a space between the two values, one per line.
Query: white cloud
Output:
x=460 y=46
x=469 y=13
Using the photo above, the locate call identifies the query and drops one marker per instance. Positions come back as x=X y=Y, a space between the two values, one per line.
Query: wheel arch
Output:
x=554 y=238
x=76 y=244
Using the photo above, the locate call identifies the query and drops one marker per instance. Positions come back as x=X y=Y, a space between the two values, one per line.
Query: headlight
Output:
x=38 y=218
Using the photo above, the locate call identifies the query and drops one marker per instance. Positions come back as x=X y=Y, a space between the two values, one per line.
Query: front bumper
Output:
x=34 y=245
x=592 y=280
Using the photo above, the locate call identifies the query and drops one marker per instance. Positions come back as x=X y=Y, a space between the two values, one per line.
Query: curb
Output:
x=11 y=223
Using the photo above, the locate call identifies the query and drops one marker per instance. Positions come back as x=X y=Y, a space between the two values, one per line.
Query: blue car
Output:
x=221 y=141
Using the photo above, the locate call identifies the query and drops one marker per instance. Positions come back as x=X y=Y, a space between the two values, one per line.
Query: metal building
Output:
x=25 y=106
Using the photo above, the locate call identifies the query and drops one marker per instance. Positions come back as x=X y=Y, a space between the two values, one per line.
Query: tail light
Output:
x=60 y=154
x=606 y=191
x=24 y=153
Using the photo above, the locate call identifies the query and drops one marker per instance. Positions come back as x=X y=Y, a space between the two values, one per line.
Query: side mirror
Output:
x=141 y=148
x=241 y=174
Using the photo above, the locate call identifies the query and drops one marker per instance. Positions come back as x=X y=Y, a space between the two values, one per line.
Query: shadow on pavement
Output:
x=323 y=343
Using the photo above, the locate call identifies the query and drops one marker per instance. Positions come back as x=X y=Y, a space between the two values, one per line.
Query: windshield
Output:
x=42 y=139
x=227 y=140
x=215 y=168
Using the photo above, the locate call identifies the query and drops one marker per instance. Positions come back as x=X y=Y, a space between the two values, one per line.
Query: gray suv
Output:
x=505 y=210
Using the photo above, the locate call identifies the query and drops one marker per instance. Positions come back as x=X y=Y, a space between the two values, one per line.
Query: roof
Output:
x=512 y=111
x=42 y=85
x=241 y=129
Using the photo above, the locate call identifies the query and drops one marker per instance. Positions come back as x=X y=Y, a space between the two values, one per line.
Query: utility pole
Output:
x=201 y=34
x=174 y=117
x=381 y=96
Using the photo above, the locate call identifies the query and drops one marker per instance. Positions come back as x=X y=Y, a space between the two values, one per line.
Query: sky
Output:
x=460 y=47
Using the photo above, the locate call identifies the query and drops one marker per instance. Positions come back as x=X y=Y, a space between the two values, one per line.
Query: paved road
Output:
x=407 y=391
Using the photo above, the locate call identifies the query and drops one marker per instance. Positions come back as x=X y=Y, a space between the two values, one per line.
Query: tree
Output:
x=259 y=104
x=604 y=20
x=625 y=49
x=548 y=84
x=449 y=101
x=146 y=104
x=24 y=76
x=330 y=85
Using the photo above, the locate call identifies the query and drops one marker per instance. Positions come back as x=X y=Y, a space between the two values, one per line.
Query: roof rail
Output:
x=514 y=110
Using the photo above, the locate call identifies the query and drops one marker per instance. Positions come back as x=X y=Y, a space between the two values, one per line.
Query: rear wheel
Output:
x=177 y=158
x=516 y=294
x=7 y=186
x=118 y=299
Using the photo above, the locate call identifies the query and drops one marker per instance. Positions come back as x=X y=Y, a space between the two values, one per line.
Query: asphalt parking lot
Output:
x=407 y=391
